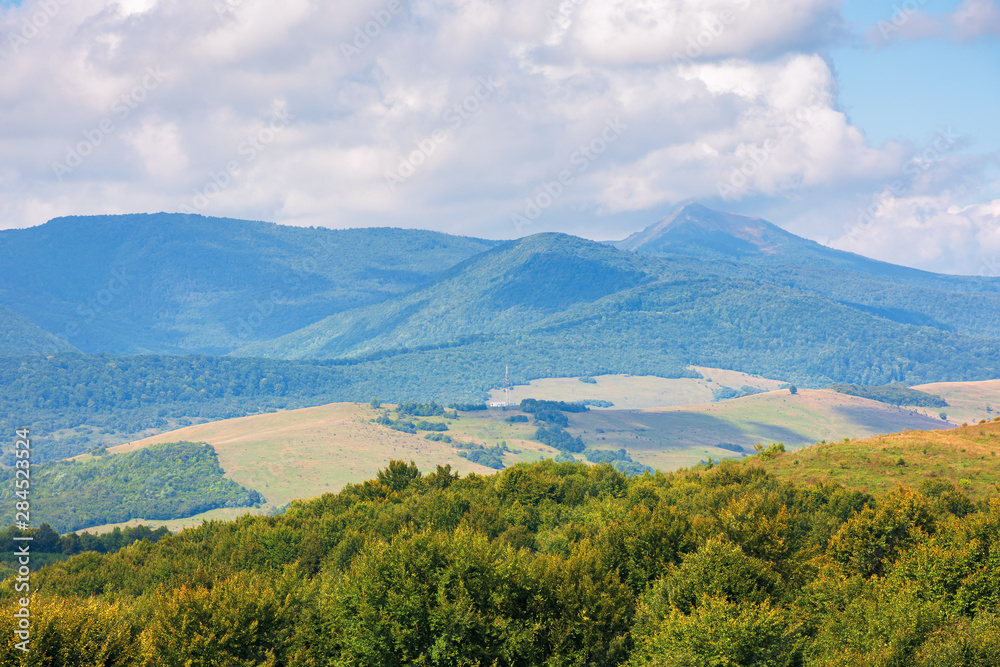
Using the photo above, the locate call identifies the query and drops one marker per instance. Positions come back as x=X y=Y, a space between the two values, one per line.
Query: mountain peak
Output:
x=694 y=229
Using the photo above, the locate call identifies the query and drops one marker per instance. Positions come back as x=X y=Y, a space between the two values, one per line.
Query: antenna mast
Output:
x=507 y=368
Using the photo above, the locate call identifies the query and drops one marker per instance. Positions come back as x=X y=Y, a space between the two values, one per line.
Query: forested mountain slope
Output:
x=173 y=283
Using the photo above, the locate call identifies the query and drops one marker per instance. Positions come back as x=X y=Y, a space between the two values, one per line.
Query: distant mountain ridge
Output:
x=700 y=287
x=695 y=230
x=177 y=284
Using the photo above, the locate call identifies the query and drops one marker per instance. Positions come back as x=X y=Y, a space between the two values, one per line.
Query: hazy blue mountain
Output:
x=19 y=336
x=618 y=310
x=966 y=304
x=172 y=283
x=512 y=288
x=698 y=231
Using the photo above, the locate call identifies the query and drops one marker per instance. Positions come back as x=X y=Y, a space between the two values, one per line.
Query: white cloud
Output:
x=968 y=21
x=930 y=232
x=652 y=31
x=976 y=18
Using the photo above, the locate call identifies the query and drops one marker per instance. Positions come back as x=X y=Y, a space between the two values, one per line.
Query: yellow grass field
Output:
x=968 y=457
x=967 y=401
x=632 y=392
x=304 y=453
x=680 y=436
x=663 y=423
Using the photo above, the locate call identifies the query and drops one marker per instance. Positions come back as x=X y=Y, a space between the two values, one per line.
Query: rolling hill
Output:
x=967 y=401
x=18 y=335
x=307 y=452
x=968 y=457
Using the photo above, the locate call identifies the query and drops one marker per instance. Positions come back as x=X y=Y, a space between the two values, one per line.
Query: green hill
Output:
x=164 y=481
x=550 y=290
x=967 y=457
x=172 y=283
x=20 y=336
x=543 y=564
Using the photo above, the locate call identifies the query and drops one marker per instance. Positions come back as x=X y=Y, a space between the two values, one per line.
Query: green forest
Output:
x=551 y=564
x=893 y=395
x=165 y=481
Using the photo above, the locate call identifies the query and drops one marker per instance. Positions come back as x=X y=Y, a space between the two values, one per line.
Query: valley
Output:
x=307 y=452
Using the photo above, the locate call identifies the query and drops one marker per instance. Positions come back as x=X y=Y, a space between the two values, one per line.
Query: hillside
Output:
x=172 y=283
x=544 y=564
x=20 y=336
x=630 y=392
x=967 y=457
x=673 y=437
x=967 y=401
x=305 y=453
x=616 y=310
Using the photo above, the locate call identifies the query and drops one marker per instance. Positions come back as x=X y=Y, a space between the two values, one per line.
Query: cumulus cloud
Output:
x=931 y=232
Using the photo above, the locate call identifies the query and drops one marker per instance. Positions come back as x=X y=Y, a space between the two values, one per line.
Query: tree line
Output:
x=545 y=564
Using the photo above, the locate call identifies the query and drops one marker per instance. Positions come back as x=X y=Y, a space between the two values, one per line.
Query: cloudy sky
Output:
x=870 y=126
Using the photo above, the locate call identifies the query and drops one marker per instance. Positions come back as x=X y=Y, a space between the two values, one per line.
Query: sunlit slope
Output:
x=967 y=401
x=668 y=438
x=968 y=457
x=308 y=452
x=632 y=392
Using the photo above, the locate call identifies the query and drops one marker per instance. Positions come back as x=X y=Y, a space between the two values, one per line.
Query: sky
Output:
x=867 y=126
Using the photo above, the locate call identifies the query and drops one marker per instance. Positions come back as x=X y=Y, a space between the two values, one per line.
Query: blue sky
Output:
x=500 y=118
x=912 y=89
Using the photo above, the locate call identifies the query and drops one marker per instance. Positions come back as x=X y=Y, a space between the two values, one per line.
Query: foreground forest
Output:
x=544 y=564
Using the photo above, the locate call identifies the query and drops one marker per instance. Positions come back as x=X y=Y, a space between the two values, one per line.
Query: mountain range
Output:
x=698 y=287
